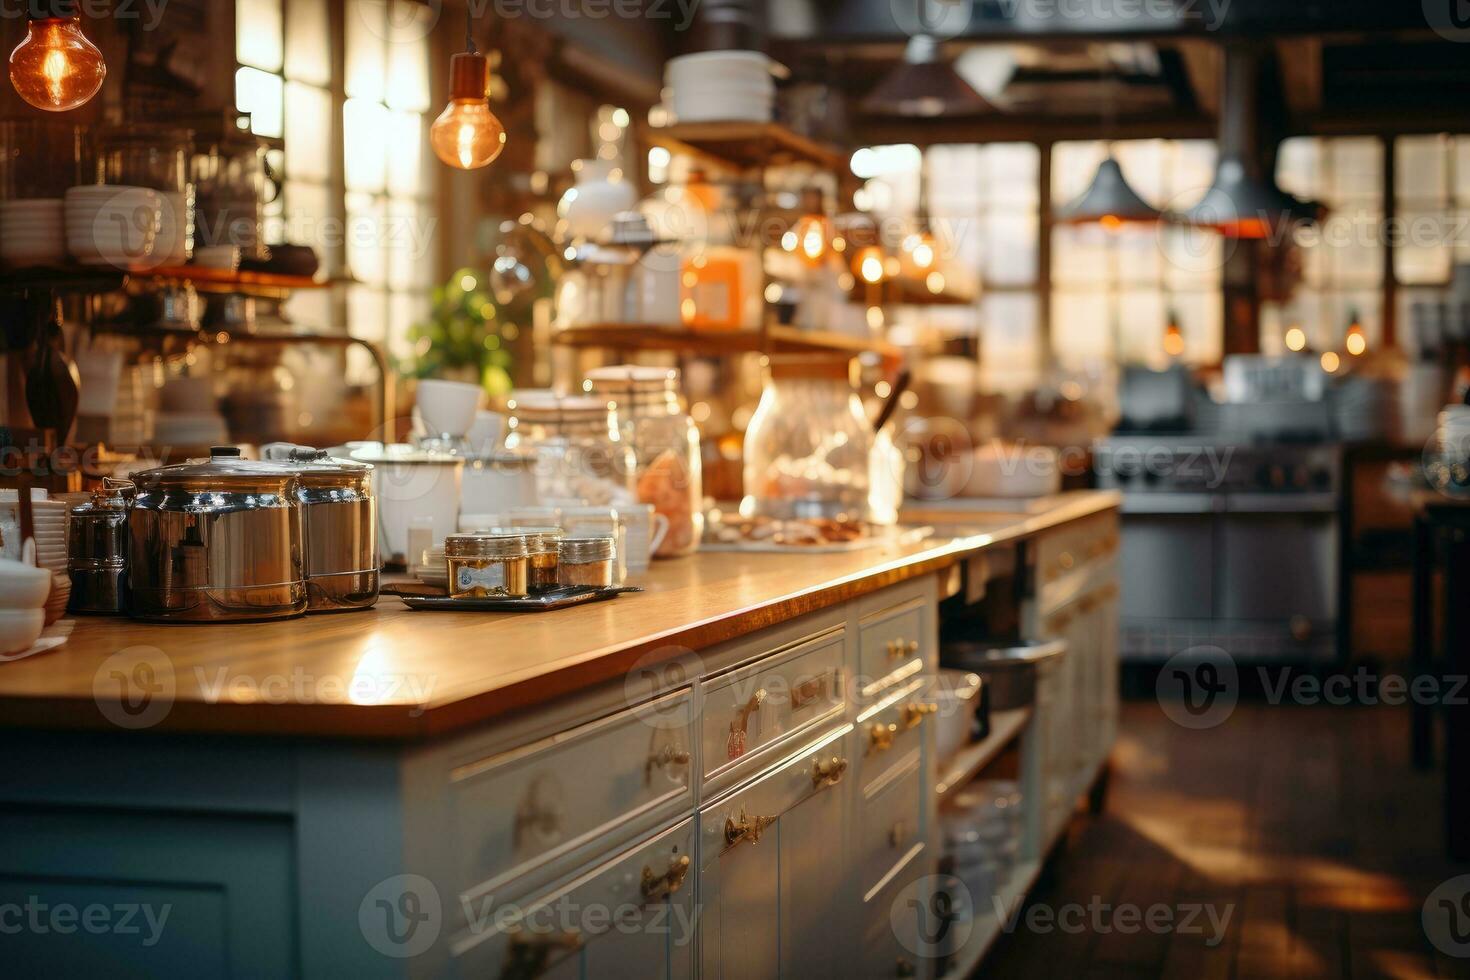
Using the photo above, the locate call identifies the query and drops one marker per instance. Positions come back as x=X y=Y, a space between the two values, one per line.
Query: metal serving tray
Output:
x=432 y=599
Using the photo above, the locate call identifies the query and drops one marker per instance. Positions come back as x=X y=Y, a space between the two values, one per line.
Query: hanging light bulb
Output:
x=56 y=67
x=1296 y=339
x=1173 y=336
x=1356 y=342
x=810 y=234
x=467 y=135
x=870 y=265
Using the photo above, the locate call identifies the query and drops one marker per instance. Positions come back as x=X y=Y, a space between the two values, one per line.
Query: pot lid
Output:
x=224 y=469
x=381 y=455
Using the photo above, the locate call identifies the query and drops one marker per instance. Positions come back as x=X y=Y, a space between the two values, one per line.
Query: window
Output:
x=382 y=232
x=1113 y=291
x=1432 y=189
x=1342 y=258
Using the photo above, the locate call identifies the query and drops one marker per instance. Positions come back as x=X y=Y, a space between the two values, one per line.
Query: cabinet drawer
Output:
x=891 y=732
x=631 y=917
x=516 y=810
x=753 y=709
x=891 y=647
x=889 y=824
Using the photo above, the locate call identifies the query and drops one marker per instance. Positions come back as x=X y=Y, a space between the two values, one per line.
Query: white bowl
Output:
x=23 y=586
x=20 y=628
x=448 y=407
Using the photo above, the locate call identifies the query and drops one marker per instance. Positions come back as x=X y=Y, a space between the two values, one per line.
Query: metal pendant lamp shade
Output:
x=1108 y=201
x=924 y=85
x=1243 y=201
x=1239 y=206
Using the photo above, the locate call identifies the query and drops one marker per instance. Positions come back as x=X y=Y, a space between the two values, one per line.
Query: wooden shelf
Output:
x=63 y=279
x=987 y=925
x=745 y=145
x=906 y=292
x=773 y=340
x=969 y=762
x=105 y=279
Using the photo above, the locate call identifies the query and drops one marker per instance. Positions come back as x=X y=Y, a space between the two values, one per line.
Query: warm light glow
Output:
x=774 y=292
x=467 y=135
x=1296 y=339
x=789 y=241
x=56 y=67
x=1111 y=222
x=1357 y=340
x=839 y=244
x=870 y=265
x=919 y=252
x=1331 y=362
x=875 y=317
x=1173 y=340
x=935 y=282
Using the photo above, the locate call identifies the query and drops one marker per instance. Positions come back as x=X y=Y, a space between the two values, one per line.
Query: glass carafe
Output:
x=809 y=447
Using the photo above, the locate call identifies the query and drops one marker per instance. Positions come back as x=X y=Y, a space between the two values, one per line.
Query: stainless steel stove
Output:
x=1230 y=544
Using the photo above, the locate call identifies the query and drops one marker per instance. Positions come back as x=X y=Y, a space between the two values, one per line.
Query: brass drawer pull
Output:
x=1066 y=560
x=665 y=757
x=914 y=714
x=746 y=829
x=898 y=649
x=739 y=728
x=828 y=772
x=657 y=887
x=880 y=737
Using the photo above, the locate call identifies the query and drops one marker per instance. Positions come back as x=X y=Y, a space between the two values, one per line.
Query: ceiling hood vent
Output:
x=924 y=85
x=1244 y=202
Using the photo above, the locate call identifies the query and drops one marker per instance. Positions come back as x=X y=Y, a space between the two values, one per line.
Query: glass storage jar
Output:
x=588 y=562
x=809 y=447
x=154 y=158
x=666 y=442
x=580 y=448
x=484 y=566
x=544 y=545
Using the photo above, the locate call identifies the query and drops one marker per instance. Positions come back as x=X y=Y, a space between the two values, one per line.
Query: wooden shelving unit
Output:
x=906 y=292
x=745 y=145
x=969 y=762
x=772 y=340
x=104 y=279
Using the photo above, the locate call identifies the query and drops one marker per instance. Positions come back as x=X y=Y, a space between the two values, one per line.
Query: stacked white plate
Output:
x=50 y=528
x=32 y=233
x=721 y=86
x=115 y=225
x=1454 y=432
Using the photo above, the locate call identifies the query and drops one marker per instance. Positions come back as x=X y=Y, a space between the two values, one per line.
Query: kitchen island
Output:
x=743 y=753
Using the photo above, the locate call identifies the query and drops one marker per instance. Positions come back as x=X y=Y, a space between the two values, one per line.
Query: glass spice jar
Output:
x=587 y=562
x=487 y=566
x=544 y=544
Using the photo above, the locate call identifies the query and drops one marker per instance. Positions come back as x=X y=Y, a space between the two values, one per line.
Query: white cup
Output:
x=448 y=408
x=644 y=532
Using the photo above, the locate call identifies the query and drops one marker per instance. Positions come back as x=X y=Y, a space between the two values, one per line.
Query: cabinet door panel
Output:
x=812 y=886
x=749 y=879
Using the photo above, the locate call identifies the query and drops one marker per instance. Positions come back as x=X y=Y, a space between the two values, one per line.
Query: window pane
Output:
x=259 y=93
x=308 y=132
x=408 y=58
x=366 y=240
x=1082 y=328
x=309 y=215
x=1420 y=175
x=366 y=126
x=1421 y=256
x=308 y=42
x=1009 y=360
x=258 y=33
x=407 y=146
x=1010 y=248
x=367 y=29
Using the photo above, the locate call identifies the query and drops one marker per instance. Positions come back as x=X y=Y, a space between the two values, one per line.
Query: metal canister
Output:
x=216 y=540
x=97 y=551
x=339 y=518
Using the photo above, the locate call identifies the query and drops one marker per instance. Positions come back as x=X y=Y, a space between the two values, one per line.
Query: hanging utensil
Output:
x=900 y=385
x=53 y=385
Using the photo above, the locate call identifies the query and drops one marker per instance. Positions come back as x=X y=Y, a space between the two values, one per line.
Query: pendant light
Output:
x=1356 y=341
x=924 y=85
x=1243 y=202
x=1174 y=336
x=919 y=251
x=467 y=135
x=56 y=68
x=810 y=235
x=1108 y=201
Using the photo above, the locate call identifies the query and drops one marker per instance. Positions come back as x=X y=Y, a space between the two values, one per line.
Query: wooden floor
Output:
x=1307 y=822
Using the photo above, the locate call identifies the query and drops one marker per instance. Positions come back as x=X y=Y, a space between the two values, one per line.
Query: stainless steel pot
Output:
x=217 y=540
x=339 y=517
x=97 y=551
x=1008 y=669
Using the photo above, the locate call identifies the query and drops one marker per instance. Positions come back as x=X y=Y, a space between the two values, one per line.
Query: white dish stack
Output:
x=32 y=233
x=721 y=86
x=118 y=226
x=49 y=517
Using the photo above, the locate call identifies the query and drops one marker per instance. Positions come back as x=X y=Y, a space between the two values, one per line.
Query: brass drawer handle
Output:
x=828 y=772
x=880 y=737
x=739 y=728
x=915 y=713
x=746 y=829
x=665 y=757
x=1066 y=560
x=657 y=887
x=530 y=953
x=898 y=649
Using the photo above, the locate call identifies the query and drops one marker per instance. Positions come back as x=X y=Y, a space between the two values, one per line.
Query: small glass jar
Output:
x=587 y=562
x=544 y=544
x=581 y=450
x=488 y=566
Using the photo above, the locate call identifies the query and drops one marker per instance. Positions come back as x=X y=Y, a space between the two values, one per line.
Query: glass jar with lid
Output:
x=666 y=441
x=809 y=447
x=579 y=445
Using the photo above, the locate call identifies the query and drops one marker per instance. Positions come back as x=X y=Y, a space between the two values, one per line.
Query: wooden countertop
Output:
x=392 y=673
